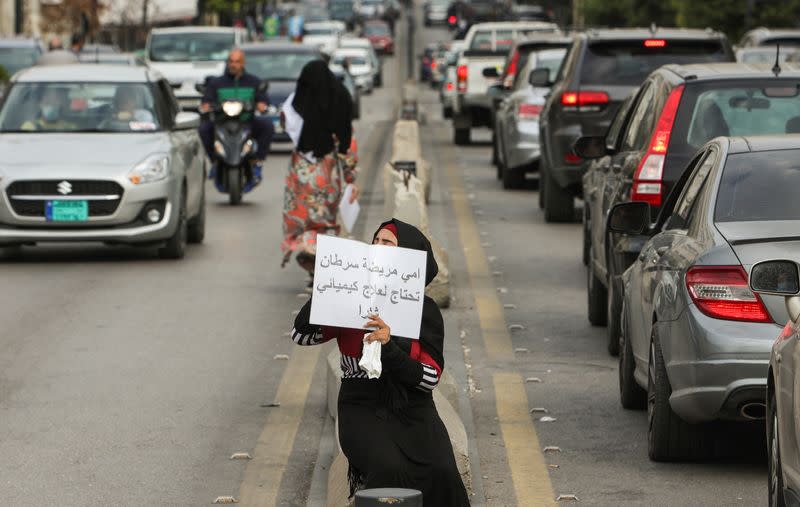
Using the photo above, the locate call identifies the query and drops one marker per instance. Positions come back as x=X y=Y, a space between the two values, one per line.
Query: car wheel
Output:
x=175 y=248
x=542 y=185
x=461 y=137
x=197 y=225
x=558 y=203
x=631 y=394
x=596 y=299
x=775 y=476
x=494 y=150
x=587 y=240
x=613 y=317
x=669 y=438
x=447 y=112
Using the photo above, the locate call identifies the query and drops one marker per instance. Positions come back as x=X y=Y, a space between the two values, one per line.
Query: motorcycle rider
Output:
x=237 y=83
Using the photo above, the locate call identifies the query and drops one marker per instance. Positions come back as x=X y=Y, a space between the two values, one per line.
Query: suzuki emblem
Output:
x=64 y=188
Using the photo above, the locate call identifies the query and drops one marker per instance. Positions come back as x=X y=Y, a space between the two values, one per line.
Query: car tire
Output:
x=587 y=238
x=513 y=178
x=596 y=298
x=631 y=394
x=775 y=469
x=447 y=112
x=10 y=251
x=558 y=203
x=494 y=152
x=175 y=248
x=669 y=438
x=461 y=137
x=197 y=225
x=234 y=186
x=542 y=185
x=613 y=316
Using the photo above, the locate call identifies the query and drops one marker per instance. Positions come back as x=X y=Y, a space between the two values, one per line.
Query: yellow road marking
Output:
x=528 y=469
x=263 y=475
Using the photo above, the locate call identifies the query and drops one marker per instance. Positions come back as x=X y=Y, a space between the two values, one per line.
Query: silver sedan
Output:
x=695 y=342
x=97 y=153
x=517 y=120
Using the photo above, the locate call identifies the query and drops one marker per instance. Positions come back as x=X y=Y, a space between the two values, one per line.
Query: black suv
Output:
x=675 y=112
x=601 y=69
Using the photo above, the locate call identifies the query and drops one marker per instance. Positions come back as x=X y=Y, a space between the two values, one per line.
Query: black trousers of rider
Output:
x=261 y=128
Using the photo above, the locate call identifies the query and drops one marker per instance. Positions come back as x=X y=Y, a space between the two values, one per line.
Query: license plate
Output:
x=67 y=211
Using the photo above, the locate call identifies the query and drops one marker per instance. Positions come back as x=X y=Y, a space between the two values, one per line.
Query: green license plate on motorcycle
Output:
x=67 y=211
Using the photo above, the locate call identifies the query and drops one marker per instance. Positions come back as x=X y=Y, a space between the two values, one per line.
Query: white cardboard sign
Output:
x=353 y=280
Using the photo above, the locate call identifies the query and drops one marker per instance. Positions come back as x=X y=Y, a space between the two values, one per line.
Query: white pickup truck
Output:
x=486 y=46
x=187 y=55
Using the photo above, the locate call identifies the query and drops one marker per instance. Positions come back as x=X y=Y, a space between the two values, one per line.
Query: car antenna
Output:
x=776 y=69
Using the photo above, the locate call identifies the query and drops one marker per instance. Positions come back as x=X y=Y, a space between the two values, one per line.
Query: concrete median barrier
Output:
x=445 y=396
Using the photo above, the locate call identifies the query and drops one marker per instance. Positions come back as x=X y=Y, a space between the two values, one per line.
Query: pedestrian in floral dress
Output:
x=322 y=163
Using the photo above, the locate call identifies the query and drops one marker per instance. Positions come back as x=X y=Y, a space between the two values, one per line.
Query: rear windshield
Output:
x=743 y=108
x=759 y=186
x=629 y=62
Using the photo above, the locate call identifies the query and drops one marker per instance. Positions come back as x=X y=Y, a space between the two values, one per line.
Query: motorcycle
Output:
x=234 y=149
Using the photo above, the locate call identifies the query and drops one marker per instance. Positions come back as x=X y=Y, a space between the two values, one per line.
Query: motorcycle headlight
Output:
x=248 y=147
x=153 y=168
x=232 y=107
x=219 y=148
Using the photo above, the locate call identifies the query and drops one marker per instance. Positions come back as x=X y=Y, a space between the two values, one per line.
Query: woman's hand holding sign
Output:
x=382 y=334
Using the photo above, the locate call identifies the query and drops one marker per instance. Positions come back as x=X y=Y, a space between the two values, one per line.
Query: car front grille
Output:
x=103 y=196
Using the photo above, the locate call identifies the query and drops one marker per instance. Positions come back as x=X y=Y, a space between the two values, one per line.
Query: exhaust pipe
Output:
x=754 y=411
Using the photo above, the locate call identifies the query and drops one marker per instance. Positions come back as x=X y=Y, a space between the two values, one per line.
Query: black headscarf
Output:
x=326 y=108
x=432 y=327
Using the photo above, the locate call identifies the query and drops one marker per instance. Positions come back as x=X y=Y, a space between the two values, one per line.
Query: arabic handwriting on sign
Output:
x=372 y=290
x=403 y=294
x=407 y=276
x=372 y=310
x=338 y=287
x=331 y=260
x=350 y=265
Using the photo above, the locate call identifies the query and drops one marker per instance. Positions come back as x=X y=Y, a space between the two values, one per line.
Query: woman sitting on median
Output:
x=389 y=428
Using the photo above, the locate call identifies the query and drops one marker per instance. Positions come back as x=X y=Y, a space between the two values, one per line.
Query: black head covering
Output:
x=431 y=334
x=326 y=108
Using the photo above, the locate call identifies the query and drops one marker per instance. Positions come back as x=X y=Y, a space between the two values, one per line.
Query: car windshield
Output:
x=738 y=109
x=14 y=59
x=198 y=46
x=278 y=66
x=629 y=62
x=376 y=29
x=353 y=59
x=759 y=186
x=79 y=107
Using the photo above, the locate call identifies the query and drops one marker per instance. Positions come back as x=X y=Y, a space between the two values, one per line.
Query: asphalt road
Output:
x=127 y=380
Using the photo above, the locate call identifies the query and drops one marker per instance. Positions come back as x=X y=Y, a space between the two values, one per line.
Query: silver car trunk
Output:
x=759 y=241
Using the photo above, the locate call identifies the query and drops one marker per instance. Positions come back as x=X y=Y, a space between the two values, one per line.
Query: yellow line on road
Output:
x=528 y=469
x=263 y=475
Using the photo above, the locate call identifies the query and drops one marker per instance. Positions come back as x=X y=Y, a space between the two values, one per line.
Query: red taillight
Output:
x=461 y=74
x=584 y=100
x=450 y=86
x=571 y=158
x=433 y=65
x=528 y=111
x=451 y=20
x=508 y=80
x=722 y=292
x=647 y=180
x=655 y=43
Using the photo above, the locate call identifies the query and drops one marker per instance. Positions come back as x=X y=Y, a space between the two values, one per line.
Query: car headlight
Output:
x=219 y=148
x=232 y=107
x=153 y=168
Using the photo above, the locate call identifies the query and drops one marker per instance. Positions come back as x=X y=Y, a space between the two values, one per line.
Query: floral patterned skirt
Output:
x=310 y=203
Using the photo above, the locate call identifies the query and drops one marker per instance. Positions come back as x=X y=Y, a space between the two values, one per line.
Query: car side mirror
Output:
x=490 y=72
x=590 y=147
x=540 y=78
x=185 y=120
x=630 y=218
x=775 y=278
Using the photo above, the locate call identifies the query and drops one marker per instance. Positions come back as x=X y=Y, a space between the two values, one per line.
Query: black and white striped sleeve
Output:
x=430 y=378
x=305 y=333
